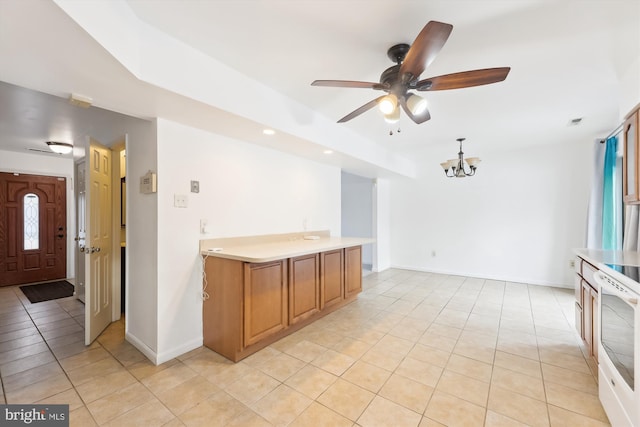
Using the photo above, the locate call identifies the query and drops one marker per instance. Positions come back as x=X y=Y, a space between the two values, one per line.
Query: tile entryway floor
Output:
x=415 y=349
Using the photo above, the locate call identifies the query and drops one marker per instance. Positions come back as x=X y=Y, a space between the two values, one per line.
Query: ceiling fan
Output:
x=399 y=80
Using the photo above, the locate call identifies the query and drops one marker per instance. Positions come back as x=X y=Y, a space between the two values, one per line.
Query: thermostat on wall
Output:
x=148 y=183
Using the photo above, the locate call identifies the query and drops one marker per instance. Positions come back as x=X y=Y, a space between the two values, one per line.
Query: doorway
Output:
x=357 y=213
x=33 y=234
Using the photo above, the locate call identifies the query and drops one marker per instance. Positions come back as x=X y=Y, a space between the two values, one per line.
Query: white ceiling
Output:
x=567 y=59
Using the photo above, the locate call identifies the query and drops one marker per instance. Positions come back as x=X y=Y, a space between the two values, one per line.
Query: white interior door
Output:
x=98 y=255
x=81 y=231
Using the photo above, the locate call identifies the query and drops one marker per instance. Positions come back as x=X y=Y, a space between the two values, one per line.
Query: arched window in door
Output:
x=31 y=218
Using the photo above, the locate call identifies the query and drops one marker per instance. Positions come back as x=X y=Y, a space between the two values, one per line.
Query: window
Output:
x=31 y=221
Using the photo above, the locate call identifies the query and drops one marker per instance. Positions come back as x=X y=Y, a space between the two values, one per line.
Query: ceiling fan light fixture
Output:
x=388 y=104
x=416 y=104
x=60 y=147
x=393 y=117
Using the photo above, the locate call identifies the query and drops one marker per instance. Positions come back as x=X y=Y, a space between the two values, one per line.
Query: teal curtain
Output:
x=612 y=198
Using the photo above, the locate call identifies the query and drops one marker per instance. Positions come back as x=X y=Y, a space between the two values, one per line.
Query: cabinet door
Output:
x=587 y=315
x=353 y=271
x=594 y=323
x=304 y=287
x=331 y=277
x=265 y=300
x=630 y=159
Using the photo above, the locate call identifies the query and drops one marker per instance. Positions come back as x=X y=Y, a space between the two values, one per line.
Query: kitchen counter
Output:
x=258 y=249
x=263 y=288
x=600 y=258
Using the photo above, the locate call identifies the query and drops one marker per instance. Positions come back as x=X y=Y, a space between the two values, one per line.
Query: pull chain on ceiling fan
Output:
x=399 y=80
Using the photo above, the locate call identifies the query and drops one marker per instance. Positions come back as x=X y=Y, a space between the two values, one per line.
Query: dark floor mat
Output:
x=47 y=291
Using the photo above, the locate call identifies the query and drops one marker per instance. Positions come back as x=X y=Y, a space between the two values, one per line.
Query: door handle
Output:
x=93 y=249
x=60 y=236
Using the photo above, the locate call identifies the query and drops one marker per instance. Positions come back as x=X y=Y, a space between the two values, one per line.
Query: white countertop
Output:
x=600 y=258
x=276 y=250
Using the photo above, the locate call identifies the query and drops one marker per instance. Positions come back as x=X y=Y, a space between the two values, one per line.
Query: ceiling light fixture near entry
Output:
x=269 y=132
x=60 y=147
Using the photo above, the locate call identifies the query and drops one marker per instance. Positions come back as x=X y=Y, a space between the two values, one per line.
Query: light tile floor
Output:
x=415 y=349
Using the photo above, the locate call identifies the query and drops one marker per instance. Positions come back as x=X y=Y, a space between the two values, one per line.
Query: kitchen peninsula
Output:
x=262 y=288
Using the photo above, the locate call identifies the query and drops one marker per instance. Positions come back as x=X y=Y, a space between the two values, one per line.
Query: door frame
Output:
x=116 y=205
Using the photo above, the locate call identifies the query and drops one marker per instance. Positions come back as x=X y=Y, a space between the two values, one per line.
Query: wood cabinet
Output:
x=352 y=271
x=304 y=287
x=252 y=305
x=630 y=158
x=586 y=291
x=331 y=277
x=265 y=300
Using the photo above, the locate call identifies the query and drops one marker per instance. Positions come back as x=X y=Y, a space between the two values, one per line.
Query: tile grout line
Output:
x=53 y=354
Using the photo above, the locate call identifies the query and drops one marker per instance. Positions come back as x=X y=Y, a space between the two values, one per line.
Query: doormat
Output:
x=47 y=291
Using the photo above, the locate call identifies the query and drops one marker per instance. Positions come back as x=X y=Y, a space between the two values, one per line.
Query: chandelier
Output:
x=457 y=166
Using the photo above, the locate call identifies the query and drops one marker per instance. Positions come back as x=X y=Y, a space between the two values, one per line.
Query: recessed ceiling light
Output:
x=269 y=132
x=328 y=151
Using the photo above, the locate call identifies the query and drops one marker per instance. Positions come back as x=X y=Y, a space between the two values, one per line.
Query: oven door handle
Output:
x=602 y=281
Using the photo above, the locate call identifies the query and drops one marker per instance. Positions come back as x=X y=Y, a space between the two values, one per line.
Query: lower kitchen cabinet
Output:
x=265 y=300
x=252 y=305
x=304 y=287
x=331 y=277
x=586 y=291
x=352 y=271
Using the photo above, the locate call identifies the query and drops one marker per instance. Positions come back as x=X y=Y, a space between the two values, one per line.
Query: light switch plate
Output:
x=195 y=186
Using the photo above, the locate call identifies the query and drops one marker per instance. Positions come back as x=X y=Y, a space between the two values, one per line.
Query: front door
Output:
x=98 y=256
x=33 y=228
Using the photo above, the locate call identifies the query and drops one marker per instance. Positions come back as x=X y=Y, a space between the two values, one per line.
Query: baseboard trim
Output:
x=486 y=277
x=144 y=349
x=160 y=358
x=178 y=351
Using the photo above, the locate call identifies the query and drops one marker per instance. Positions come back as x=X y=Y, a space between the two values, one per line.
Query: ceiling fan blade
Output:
x=349 y=83
x=464 y=79
x=366 y=107
x=417 y=118
x=424 y=49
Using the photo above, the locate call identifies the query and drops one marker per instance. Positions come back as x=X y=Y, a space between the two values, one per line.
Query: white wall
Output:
x=357 y=210
x=516 y=220
x=39 y=164
x=142 y=241
x=244 y=190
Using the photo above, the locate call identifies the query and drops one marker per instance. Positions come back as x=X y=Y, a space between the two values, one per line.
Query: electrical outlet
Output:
x=195 y=186
x=203 y=226
x=572 y=263
x=433 y=254
x=180 y=200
